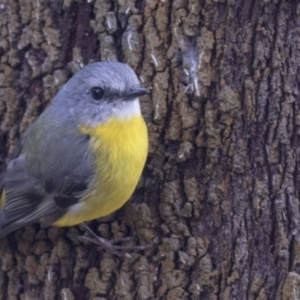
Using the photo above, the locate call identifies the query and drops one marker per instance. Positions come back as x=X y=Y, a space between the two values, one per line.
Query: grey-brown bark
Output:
x=221 y=187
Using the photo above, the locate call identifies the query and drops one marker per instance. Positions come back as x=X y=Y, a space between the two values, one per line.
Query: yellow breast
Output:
x=120 y=148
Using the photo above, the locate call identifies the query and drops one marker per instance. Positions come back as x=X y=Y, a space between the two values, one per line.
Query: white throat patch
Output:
x=127 y=109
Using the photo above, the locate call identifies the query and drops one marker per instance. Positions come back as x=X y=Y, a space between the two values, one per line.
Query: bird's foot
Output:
x=111 y=246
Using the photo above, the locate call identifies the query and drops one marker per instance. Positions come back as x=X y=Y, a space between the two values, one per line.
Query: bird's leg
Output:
x=110 y=245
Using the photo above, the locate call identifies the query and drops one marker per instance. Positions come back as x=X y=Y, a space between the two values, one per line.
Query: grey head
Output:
x=98 y=91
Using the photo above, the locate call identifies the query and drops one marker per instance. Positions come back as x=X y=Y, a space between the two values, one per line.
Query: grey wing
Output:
x=30 y=198
x=24 y=201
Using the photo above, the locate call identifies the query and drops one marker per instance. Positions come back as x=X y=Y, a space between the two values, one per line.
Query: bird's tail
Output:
x=7 y=225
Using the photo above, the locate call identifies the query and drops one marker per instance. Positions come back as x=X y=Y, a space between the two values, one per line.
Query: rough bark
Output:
x=220 y=191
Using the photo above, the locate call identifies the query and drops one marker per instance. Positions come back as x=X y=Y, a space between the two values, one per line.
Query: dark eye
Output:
x=97 y=93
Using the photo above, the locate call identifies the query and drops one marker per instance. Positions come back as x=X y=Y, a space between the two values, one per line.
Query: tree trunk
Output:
x=219 y=196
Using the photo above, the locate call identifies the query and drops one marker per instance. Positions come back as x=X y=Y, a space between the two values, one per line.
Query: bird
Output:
x=83 y=156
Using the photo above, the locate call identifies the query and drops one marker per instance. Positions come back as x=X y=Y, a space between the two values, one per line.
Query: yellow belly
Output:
x=120 y=148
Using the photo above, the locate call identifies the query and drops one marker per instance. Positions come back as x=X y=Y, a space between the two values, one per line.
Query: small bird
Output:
x=83 y=157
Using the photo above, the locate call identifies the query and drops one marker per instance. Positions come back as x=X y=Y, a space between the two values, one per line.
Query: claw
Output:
x=111 y=246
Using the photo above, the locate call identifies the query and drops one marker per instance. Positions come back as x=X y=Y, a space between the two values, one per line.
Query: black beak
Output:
x=136 y=92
